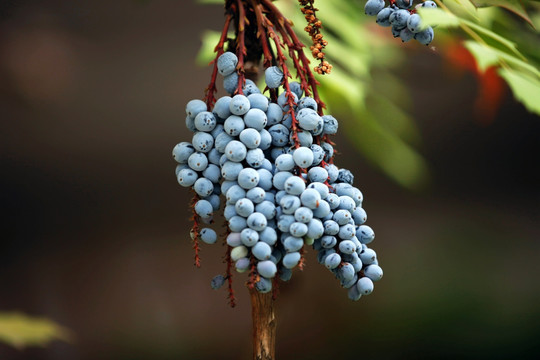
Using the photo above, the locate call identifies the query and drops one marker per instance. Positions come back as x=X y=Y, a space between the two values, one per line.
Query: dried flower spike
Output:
x=313 y=29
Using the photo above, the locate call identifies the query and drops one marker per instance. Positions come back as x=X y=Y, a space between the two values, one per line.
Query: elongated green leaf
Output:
x=468 y=6
x=441 y=18
x=387 y=151
x=344 y=88
x=509 y=44
x=438 y=17
x=20 y=330
x=525 y=88
x=514 y=6
x=485 y=56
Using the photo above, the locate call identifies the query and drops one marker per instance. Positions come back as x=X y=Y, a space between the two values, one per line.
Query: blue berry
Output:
x=239 y=105
x=273 y=77
x=257 y=221
x=255 y=118
x=226 y=63
x=274 y=114
x=230 y=82
x=310 y=198
x=208 y=236
x=204 y=209
x=221 y=107
x=244 y=207
x=307 y=102
x=290 y=260
x=217 y=282
x=365 y=285
x=383 y=17
x=194 y=107
x=182 y=151
x=294 y=185
x=425 y=36
x=303 y=157
x=202 y=142
x=205 y=121
x=258 y=101
x=203 y=187
x=374 y=272
x=235 y=151
x=248 y=178
x=372 y=7
x=332 y=261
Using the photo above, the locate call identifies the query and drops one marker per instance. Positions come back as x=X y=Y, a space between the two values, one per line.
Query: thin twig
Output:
x=209 y=97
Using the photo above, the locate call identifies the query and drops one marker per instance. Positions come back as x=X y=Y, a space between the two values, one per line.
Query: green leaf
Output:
x=438 y=17
x=387 y=151
x=485 y=56
x=206 y=52
x=514 y=6
x=20 y=330
x=468 y=7
x=525 y=88
x=509 y=44
x=344 y=88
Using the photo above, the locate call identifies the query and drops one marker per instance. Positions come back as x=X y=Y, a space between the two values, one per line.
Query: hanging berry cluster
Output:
x=402 y=18
x=271 y=161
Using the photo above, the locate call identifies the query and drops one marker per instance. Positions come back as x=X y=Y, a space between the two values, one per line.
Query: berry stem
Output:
x=241 y=46
x=253 y=276
x=209 y=96
x=285 y=28
x=195 y=230
x=286 y=75
x=230 y=290
x=261 y=33
x=302 y=261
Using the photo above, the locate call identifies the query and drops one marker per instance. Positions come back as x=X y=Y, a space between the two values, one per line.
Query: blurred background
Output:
x=95 y=226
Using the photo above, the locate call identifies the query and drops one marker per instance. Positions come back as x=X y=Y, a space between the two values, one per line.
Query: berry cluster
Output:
x=402 y=18
x=272 y=162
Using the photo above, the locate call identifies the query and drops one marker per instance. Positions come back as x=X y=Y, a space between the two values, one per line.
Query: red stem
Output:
x=253 y=276
x=286 y=75
x=300 y=72
x=284 y=27
x=302 y=262
x=209 y=97
x=195 y=230
x=241 y=46
x=261 y=33
x=230 y=290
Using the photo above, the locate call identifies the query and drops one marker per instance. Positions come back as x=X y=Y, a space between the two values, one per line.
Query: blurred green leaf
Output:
x=20 y=330
x=467 y=7
x=509 y=44
x=438 y=17
x=514 y=6
x=386 y=150
x=484 y=55
x=526 y=88
x=206 y=52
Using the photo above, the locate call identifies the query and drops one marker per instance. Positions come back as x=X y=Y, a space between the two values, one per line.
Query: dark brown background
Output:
x=95 y=230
